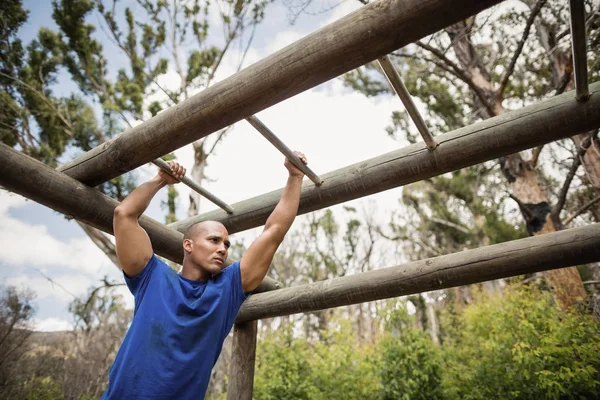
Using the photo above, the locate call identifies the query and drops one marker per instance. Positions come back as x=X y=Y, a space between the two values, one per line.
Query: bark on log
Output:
x=241 y=370
x=371 y=32
x=28 y=177
x=533 y=254
x=549 y=120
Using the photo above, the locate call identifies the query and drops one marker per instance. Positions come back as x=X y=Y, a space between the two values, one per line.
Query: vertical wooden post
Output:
x=241 y=370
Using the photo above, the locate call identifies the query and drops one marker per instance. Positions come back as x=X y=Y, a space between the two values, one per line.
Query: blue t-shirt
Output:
x=176 y=335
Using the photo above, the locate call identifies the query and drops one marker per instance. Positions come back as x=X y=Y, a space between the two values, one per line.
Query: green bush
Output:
x=521 y=345
x=293 y=368
x=44 y=389
x=409 y=367
x=515 y=346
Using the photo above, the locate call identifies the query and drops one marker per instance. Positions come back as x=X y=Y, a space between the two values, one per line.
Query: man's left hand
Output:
x=293 y=170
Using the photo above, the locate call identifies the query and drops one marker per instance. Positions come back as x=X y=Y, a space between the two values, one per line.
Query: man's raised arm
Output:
x=133 y=246
x=256 y=261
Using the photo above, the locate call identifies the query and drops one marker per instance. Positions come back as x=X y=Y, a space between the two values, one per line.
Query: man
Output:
x=181 y=320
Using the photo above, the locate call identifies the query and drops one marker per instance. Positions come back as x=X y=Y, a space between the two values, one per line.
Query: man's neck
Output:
x=193 y=272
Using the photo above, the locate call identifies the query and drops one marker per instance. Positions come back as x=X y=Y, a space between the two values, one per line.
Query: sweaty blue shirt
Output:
x=176 y=335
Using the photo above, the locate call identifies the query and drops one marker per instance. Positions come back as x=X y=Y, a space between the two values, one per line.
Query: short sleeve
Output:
x=138 y=284
x=237 y=292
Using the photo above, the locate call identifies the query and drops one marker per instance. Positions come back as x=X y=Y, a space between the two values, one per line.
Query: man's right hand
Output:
x=177 y=173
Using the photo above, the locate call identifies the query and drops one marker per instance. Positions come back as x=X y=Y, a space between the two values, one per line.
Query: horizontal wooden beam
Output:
x=30 y=178
x=539 y=253
x=549 y=120
x=371 y=32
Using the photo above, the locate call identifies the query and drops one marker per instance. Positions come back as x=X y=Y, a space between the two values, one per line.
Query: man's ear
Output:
x=188 y=245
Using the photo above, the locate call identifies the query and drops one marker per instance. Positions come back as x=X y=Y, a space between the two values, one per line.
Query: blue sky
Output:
x=332 y=125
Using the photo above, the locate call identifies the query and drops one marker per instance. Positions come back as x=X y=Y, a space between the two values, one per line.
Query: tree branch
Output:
x=526 y=212
x=562 y=196
x=460 y=73
x=535 y=156
x=581 y=210
x=451 y=225
x=513 y=61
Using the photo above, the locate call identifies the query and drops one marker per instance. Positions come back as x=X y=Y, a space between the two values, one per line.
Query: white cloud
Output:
x=51 y=325
x=31 y=245
x=61 y=289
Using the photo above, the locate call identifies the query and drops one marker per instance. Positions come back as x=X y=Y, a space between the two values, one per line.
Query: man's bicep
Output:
x=257 y=259
x=133 y=245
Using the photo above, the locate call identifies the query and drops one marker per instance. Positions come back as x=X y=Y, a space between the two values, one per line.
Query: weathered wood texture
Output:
x=553 y=250
x=579 y=46
x=30 y=178
x=373 y=31
x=396 y=82
x=241 y=369
x=508 y=133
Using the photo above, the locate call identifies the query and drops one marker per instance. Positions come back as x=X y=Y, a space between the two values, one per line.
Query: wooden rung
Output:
x=286 y=151
x=162 y=164
x=335 y=49
x=534 y=254
x=548 y=120
x=579 y=44
x=394 y=78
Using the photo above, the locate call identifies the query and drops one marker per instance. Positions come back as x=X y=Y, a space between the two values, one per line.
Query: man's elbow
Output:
x=122 y=212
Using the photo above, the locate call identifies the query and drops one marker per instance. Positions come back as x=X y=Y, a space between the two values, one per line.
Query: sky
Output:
x=331 y=124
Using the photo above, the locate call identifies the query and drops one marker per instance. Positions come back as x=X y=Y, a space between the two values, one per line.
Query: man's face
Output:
x=208 y=247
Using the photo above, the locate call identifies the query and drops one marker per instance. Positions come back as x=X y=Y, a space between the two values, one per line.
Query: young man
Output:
x=181 y=320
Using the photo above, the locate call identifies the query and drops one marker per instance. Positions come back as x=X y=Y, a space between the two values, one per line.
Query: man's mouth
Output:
x=220 y=260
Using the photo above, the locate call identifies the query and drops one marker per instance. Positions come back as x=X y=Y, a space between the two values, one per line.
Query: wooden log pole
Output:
x=241 y=369
x=579 y=46
x=282 y=147
x=371 y=32
x=396 y=82
x=162 y=164
x=549 y=120
x=539 y=253
x=30 y=178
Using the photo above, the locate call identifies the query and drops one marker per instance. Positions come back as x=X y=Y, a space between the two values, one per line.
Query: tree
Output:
x=473 y=70
x=16 y=313
x=163 y=37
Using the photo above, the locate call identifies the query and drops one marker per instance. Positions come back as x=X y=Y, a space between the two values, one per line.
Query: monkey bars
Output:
x=363 y=36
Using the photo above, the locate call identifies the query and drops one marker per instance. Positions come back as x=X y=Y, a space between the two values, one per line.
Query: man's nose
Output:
x=222 y=249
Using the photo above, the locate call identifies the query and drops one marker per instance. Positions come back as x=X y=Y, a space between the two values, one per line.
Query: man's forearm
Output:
x=283 y=215
x=138 y=200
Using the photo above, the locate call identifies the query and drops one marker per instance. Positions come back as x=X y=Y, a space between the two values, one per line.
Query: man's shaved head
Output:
x=200 y=227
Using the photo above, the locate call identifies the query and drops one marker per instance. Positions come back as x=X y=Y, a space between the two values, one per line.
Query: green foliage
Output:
x=283 y=370
x=513 y=346
x=293 y=368
x=44 y=389
x=410 y=366
x=522 y=346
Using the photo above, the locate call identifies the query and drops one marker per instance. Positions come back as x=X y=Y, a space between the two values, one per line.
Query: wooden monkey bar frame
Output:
x=159 y=162
x=579 y=45
x=543 y=122
x=373 y=31
x=365 y=35
x=286 y=151
x=396 y=82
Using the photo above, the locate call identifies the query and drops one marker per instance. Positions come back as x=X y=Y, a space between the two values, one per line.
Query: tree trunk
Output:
x=519 y=172
x=197 y=176
x=561 y=66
